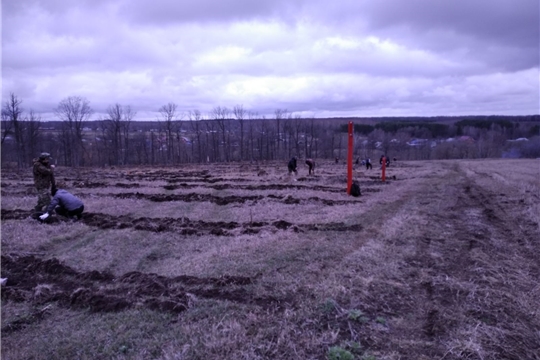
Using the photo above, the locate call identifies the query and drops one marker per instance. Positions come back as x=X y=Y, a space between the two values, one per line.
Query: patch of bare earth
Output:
x=43 y=281
x=441 y=262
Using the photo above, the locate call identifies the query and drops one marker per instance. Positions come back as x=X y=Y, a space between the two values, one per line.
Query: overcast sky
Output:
x=312 y=57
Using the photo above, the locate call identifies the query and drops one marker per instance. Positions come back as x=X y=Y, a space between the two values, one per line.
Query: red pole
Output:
x=384 y=168
x=349 y=158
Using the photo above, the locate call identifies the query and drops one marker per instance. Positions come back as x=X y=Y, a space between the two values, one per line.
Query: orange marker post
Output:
x=349 y=158
x=383 y=169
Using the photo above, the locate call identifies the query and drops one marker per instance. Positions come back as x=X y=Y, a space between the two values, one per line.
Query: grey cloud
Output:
x=147 y=53
x=507 y=29
x=448 y=44
x=16 y=7
x=498 y=21
x=159 y=12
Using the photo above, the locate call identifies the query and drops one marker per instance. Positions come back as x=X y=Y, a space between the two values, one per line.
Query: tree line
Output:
x=239 y=134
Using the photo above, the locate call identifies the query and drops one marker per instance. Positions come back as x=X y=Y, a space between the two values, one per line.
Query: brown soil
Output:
x=225 y=200
x=42 y=281
x=182 y=226
x=457 y=279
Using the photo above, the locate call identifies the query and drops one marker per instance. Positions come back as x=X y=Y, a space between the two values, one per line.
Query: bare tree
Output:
x=117 y=127
x=73 y=111
x=252 y=116
x=140 y=144
x=268 y=142
x=279 y=115
x=261 y=140
x=102 y=143
x=25 y=130
x=195 y=118
x=128 y=116
x=240 y=114
x=33 y=133
x=7 y=125
x=112 y=126
x=182 y=141
x=152 y=147
x=169 y=114
x=312 y=147
x=296 y=134
x=221 y=116
x=212 y=152
x=13 y=110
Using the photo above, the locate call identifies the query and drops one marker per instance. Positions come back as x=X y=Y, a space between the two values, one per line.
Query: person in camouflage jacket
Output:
x=43 y=180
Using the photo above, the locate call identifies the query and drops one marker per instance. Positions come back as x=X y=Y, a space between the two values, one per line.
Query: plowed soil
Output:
x=182 y=226
x=40 y=281
x=439 y=262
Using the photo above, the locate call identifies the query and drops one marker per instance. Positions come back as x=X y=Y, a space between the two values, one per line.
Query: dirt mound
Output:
x=19 y=214
x=205 y=179
x=175 y=175
x=198 y=227
x=42 y=281
x=184 y=225
x=226 y=200
x=88 y=184
x=261 y=187
x=16 y=214
x=192 y=197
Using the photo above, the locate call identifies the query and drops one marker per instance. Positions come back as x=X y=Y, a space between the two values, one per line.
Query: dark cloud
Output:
x=496 y=21
x=503 y=34
x=338 y=57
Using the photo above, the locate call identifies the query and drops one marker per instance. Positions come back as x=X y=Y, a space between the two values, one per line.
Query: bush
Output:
x=338 y=353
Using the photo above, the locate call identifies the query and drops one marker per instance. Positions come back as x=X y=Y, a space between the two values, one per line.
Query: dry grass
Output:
x=444 y=267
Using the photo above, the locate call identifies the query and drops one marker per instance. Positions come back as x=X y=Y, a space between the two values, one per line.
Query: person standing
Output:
x=65 y=204
x=43 y=180
x=292 y=165
x=311 y=165
x=368 y=164
x=386 y=160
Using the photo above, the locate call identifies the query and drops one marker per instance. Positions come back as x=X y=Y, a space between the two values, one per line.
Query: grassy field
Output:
x=243 y=261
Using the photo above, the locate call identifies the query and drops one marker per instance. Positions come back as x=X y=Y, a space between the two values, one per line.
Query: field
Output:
x=243 y=261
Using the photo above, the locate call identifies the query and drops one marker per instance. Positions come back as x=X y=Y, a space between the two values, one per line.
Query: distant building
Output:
x=466 y=138
x=417 y=142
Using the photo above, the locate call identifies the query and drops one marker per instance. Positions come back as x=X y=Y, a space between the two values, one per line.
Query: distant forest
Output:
x=238 y=134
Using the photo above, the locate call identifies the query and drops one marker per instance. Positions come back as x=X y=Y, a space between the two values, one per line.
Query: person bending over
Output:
x=65 y=204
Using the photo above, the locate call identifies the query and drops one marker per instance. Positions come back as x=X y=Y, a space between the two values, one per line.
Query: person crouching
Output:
x=65 y=204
